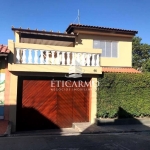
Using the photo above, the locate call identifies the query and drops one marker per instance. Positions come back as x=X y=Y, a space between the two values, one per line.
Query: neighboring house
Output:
x=45 y=91
x=4 y=51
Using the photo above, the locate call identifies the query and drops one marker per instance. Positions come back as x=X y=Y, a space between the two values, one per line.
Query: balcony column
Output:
x=68 y=58
x=58 y=58
x=47 y=57
x=24 y=56
x=18 y=56
x=30 y=57
x=88 y=59
x=97 y=60
x=42 y=57
x=53 y=59
x=93 y=59
x=73 y=59
x=63 y=58
x=78 y=59
x=35 y=56
x=83 y=59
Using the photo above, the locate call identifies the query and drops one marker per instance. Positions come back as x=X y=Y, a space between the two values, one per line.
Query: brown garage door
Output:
x=44 y=105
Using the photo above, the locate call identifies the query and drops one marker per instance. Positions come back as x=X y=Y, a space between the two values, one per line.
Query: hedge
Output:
x=130 y=92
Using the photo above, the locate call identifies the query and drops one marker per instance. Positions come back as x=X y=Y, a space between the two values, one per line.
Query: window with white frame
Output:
x=109 y=48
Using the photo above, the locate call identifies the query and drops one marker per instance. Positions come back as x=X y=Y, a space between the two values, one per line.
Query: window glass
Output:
x=108 y=49
x=102 y=46
x=96 y=44
x=114 y=49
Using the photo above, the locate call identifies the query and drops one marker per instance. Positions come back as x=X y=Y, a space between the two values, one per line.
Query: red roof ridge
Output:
x=4 y=49
x=120 y=69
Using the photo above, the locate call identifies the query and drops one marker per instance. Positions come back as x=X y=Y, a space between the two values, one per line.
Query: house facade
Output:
x=4 y=82
x=53 y=76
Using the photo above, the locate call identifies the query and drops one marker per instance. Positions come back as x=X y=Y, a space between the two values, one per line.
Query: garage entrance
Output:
x=48 y=103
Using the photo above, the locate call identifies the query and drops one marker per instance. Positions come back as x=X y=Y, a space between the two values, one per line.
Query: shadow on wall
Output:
x=11 y=57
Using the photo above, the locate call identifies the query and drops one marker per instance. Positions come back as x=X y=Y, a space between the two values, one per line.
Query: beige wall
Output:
x=93 y=101
x=124 y=49
x=13 y=100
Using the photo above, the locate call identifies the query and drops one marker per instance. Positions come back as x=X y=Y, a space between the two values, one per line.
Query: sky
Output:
x=56 y=15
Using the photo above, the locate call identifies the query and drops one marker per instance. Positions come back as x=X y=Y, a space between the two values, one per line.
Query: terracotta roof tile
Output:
x=4 y=49
x=120 y=70
x=71 y=26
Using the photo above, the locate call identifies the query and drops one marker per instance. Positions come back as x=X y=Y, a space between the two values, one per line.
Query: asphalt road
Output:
x=132 y=141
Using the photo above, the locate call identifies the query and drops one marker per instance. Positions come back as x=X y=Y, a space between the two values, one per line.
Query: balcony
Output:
x=47 y=58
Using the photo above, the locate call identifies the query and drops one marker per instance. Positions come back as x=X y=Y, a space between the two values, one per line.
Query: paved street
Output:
x=132 y=141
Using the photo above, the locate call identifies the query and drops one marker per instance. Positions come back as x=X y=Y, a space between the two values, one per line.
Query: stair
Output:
x=81 y=126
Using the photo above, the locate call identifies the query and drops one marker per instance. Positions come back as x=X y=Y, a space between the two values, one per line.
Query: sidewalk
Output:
x=78 y=129
x=89 y=129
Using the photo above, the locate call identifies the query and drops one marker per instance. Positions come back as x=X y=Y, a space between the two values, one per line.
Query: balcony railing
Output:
x=54 y=57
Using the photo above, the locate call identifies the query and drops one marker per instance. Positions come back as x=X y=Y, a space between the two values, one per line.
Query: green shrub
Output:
x=130 y=92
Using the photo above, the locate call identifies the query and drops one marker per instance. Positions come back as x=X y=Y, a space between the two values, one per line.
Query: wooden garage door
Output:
x=80 y=103
x=41 y=106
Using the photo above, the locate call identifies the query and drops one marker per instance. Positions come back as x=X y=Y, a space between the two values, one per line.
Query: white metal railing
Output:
x=53 y=57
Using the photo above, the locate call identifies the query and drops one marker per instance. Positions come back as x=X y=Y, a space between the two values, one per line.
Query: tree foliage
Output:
x=140 y=54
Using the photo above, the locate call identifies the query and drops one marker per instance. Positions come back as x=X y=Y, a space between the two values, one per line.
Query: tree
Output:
x=140 y=54
x=146 y=66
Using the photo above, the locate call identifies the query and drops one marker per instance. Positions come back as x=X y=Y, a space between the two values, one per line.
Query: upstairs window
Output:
x=109 y=48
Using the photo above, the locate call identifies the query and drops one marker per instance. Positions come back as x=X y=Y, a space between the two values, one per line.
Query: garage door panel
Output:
x=64 y=106
x=80 y=104
x=49 y=111
x=39 y=105
x=64 y=117
x=45 y=107
x=65 y=123
x=79 y=113
x=34 y=88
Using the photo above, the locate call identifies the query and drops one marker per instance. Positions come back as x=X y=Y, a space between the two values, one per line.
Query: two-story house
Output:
x=53 y=76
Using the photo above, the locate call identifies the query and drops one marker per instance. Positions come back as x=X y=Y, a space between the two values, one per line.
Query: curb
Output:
x=79 y=133
x=126 y=121
x=107 y=132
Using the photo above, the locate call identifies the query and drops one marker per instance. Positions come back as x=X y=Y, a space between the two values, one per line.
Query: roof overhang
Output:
x=5 y=55
x=45 y=37
x=43 y=32
x=77 y=28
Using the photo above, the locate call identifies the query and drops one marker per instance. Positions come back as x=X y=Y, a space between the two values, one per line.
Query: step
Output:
x=82 y=126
